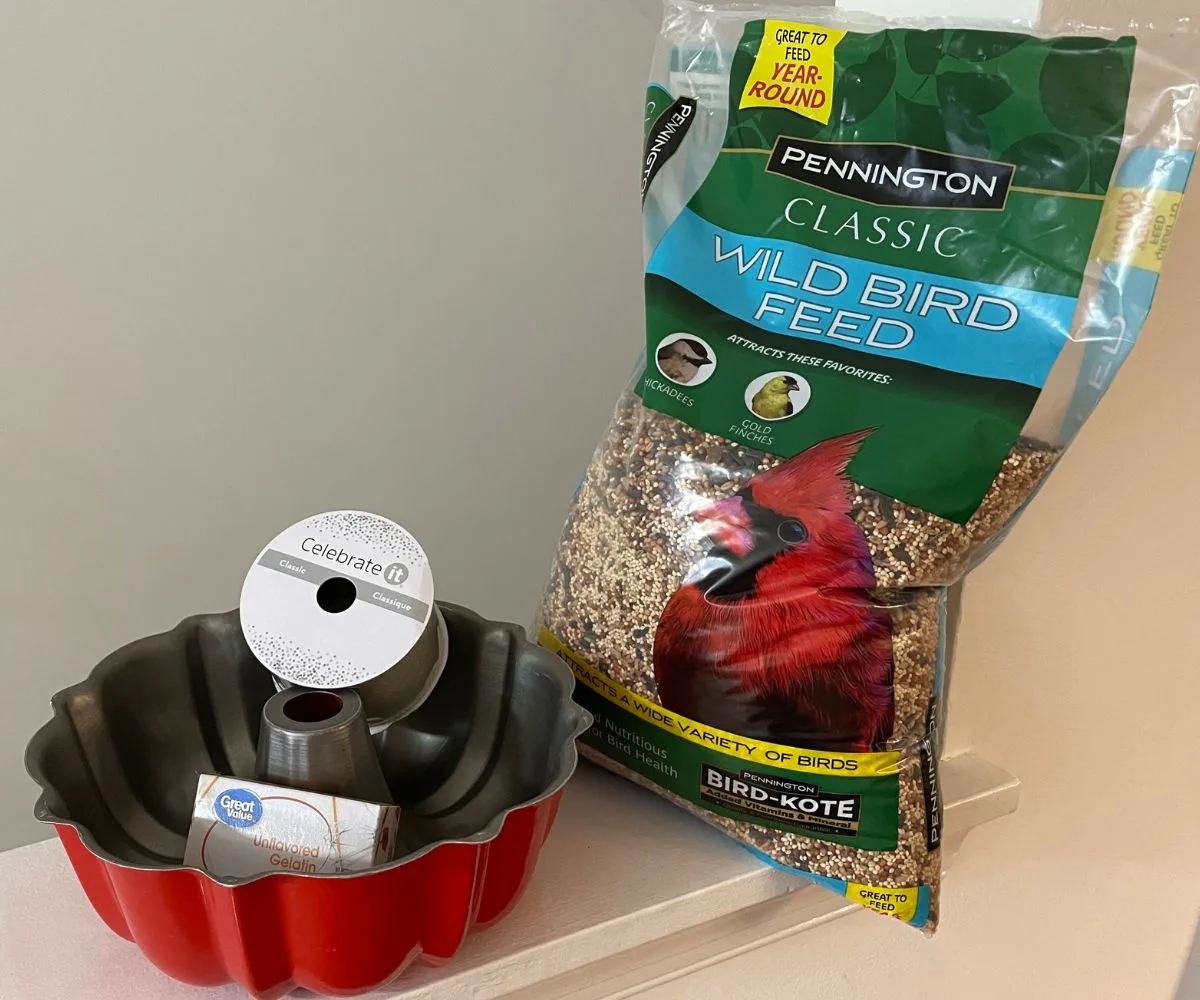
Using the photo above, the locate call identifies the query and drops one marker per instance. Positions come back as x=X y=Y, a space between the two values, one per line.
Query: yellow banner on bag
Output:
x=794 y=69
x=1137 y=226
x=899 y=903
x=787 y=758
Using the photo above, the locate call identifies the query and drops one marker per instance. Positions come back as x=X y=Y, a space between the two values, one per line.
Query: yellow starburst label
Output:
x=900 y=903
x=794 y=69
x=1137 y=226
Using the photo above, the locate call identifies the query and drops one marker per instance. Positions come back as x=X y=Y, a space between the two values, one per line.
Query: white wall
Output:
x=259 y=260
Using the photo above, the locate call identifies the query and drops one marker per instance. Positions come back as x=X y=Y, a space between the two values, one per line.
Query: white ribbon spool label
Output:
x=337 y=599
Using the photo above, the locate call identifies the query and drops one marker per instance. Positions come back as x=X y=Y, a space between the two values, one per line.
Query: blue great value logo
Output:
x=238 y=807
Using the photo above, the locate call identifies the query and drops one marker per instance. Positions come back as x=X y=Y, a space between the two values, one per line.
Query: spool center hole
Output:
x=313 y=706
x=336 y=594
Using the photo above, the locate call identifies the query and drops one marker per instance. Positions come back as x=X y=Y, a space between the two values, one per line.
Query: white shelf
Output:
x=624 y=873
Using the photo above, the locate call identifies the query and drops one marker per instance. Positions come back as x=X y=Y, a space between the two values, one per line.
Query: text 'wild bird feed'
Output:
x=890 y=271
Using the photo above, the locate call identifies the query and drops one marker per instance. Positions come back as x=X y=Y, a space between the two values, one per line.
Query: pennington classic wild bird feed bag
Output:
x=890 y=269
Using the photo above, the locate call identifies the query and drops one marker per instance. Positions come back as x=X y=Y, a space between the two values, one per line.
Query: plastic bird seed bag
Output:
x=890 y=269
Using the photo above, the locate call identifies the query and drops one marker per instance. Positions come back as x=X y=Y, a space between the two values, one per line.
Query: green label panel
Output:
x=1040 y=242
x=891 y=239
x=939 y=438
x=856 y=812
x=1055 y=108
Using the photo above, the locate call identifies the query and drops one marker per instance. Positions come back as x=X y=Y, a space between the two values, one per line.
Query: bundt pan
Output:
x=478 y=769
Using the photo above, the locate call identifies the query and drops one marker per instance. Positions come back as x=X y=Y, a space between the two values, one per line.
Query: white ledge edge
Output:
x=624 y=873
x=735 y=903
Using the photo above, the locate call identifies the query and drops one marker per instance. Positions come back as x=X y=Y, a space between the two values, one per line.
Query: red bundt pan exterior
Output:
x=118 y=764
x=274 y=934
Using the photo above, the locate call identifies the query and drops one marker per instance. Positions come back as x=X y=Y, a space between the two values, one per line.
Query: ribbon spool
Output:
x=345 y=599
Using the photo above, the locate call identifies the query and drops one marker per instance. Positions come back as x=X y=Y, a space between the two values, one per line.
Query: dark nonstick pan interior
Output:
x=122 y=755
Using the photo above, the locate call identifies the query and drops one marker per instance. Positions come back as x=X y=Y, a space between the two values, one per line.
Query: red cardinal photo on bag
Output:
x=775 y=634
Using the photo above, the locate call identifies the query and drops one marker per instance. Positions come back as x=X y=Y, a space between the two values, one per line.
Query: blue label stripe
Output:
x=766 y=294
x=1116 y=317
x=1161 y=169
x=1122 y=302
x=921 y=917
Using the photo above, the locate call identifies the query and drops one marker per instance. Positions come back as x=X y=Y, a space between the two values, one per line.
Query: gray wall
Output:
x=261 y=260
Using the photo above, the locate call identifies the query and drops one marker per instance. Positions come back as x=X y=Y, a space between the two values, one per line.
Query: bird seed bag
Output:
x=890 y=269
